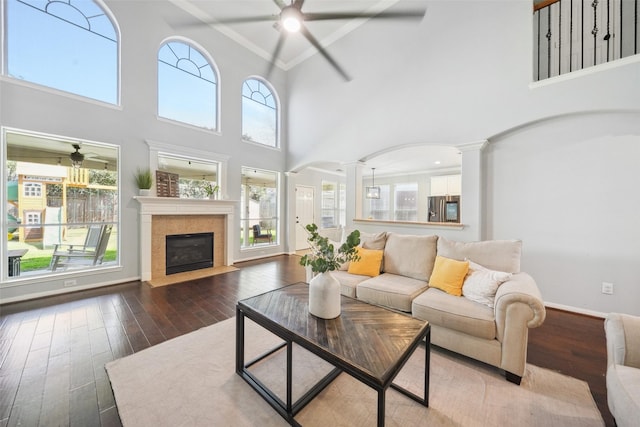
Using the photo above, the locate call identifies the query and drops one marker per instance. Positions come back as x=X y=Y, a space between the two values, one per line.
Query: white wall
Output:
x=569 y=189
x=144 y=25
x=463 y=75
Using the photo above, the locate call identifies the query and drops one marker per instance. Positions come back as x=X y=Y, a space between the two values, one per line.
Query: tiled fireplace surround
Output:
x=161 y=216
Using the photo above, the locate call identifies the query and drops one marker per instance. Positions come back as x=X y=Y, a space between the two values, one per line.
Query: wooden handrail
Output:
x=542 y=4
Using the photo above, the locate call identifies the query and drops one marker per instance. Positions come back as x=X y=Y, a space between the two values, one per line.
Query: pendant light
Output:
x=373 y=192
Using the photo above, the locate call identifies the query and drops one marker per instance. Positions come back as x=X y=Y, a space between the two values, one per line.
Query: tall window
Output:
x=52 y=206
x=66 y=45
x=406 y=202
x=187 y=85
x=259 y=113
x=333 y=204
x=259 y=219
x=379 y=208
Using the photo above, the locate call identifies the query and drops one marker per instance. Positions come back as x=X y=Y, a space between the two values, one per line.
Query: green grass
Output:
x=42 y=262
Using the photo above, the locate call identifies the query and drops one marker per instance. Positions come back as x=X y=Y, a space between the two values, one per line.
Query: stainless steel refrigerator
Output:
x=444 y=209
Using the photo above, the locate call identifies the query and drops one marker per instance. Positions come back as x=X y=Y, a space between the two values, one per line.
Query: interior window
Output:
x=187 y=85
x=259 y=218
x=197 y=178
x=69 y=46
x=60 y=216
x=259 y=113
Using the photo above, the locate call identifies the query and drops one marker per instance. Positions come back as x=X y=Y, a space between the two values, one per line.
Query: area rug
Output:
x=191 y=381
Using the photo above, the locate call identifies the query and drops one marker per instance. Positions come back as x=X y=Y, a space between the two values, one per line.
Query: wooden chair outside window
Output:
x=259 y=235
x=90 y=253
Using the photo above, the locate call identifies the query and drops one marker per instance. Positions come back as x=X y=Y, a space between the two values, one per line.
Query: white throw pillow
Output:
x=481 y=284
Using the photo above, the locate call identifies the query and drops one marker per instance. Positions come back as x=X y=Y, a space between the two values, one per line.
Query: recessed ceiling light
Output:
x=437 y=162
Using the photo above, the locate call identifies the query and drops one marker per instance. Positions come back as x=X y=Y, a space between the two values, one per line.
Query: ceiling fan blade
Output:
x=240 y=20
x=305 y=32
x=298 y=4
x=280 y=4
x=400 y=14
x=276 y=52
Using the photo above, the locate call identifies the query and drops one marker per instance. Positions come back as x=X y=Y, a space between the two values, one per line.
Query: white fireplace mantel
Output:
x=150 y=206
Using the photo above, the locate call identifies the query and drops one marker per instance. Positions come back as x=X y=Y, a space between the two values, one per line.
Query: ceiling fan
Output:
x=291 y=19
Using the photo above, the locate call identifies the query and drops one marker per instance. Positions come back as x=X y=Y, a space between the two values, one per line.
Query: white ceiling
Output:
x=261 y=37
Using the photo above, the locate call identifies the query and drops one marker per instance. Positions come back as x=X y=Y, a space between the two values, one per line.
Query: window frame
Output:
x=44 y=274
x=117 y=104
x=246 y=220
x=214 y=68
x=277 y=108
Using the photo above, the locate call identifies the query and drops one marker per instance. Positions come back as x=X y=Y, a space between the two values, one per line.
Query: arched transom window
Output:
x=187 y=85
x=259 y=113
x=69 y=45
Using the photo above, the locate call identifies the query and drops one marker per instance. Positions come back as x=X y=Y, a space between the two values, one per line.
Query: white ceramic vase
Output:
x=324 y=296
x=144 y=192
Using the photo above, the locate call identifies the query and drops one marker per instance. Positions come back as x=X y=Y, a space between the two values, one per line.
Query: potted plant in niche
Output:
x=144 y=181
x=324 y=290
x=212 y=190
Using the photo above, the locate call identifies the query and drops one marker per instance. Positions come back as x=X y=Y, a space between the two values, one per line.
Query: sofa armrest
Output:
x=623 y=339
x=521 y=288
x=518 y=307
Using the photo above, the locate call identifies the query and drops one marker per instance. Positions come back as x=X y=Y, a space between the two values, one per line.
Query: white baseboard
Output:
x=575 y=309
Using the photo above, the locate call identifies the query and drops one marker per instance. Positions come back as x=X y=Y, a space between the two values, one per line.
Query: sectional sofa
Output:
x=489 y=319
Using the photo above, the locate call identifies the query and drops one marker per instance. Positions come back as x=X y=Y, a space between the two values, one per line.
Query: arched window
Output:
x=70 y=46
x=187 y=85
x=259 y=113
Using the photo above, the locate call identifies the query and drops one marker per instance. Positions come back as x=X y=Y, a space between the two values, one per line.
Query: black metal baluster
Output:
x=635 y=30
x=548 y=41
x=582 y=37
x=594 y=31
x=538 y=65
x=571 y=37
x=607 y=36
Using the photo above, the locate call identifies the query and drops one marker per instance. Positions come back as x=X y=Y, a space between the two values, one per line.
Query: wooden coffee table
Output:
x=368 y=342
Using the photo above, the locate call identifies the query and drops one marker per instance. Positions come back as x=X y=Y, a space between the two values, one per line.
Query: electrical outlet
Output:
x=607 y=288
x=70 y=282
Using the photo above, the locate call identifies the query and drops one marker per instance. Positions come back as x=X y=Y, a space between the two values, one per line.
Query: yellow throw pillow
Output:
x=448 y=275
x=368 y=264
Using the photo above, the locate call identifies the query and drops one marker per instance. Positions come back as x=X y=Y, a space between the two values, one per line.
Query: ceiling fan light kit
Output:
x=291 y=19
x=76 y=157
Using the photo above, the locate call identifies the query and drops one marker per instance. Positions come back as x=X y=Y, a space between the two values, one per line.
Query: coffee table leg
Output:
x=239 y=341
x=289 y=378
x=381 y=406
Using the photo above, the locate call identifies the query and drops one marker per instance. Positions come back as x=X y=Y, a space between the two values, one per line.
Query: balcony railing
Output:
x=571 y=35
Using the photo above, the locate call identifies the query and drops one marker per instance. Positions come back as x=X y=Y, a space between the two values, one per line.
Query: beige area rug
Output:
x=191 y=381
x=190 y=275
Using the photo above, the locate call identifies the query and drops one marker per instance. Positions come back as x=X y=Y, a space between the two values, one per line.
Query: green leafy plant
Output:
x=144 y=179
x=209 y=189
x=324 y=256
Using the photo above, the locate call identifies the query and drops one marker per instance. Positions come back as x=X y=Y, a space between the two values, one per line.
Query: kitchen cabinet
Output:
x=444 y=185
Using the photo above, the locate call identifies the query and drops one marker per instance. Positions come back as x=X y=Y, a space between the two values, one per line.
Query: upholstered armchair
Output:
x=623 y=368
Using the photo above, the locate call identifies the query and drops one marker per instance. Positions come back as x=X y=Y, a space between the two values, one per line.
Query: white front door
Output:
x=304 y=214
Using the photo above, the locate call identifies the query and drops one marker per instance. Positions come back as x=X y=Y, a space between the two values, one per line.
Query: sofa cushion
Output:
x=373 y=240
x=409 y=255
x=448 y=275
x=368 y=264
x=459 y=314
x=501 y=255
x=390 y=290
x=348 y=282
x=367 y=241
x=481 y=283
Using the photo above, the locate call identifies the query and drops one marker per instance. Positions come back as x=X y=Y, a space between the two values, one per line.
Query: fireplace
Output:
x=187 y=252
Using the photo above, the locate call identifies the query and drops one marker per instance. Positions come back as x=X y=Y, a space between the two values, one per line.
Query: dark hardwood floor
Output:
x=53 y=350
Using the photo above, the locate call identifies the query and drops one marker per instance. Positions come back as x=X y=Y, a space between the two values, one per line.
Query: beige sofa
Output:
x=493 y=331
x=623 y=368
